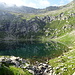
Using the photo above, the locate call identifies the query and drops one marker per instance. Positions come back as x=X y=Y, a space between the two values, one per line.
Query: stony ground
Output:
x=36 y=69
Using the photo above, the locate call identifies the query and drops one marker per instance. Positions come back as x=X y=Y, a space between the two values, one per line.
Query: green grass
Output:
x=68 y=39
x=13 y=71
x=5 y=71
x=58 y=28
x=18 y=71
x=66 y=59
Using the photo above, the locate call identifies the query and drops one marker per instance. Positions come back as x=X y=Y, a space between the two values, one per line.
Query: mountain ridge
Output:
x=31 y=10
x=31 y=26
x=25 y=9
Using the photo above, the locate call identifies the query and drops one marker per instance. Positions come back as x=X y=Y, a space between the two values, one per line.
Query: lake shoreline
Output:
x=23 y=64
x=59 y=64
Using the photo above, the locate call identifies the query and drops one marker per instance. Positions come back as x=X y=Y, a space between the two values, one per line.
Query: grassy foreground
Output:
x=11 y=70
x=65 y=64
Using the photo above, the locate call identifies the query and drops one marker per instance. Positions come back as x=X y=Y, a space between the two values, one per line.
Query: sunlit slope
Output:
x=43 y=25
x=69 y=8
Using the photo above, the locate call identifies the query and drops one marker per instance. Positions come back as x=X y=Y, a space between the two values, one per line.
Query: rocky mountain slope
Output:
x=14 y=24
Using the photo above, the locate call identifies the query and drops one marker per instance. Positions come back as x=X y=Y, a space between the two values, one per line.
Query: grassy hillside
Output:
x=65 y=64
x=59 y=28
x=50 y=24
x=69 y=8
x=63 y=31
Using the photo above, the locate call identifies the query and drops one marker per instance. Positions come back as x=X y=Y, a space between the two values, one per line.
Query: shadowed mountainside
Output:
x=20 y=25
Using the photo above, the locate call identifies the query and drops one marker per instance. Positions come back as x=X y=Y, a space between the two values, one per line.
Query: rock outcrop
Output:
x=14 y=27
x=36 y=69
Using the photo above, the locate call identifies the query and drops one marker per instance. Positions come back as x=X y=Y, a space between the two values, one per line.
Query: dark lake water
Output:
x=32 y=50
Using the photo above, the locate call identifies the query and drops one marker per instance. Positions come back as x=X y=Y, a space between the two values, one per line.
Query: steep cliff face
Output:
x=14 y=26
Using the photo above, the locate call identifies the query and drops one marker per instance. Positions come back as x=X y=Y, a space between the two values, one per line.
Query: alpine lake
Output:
x=32 y=50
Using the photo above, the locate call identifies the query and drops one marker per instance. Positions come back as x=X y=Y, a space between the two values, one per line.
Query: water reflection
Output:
x=32 y=50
